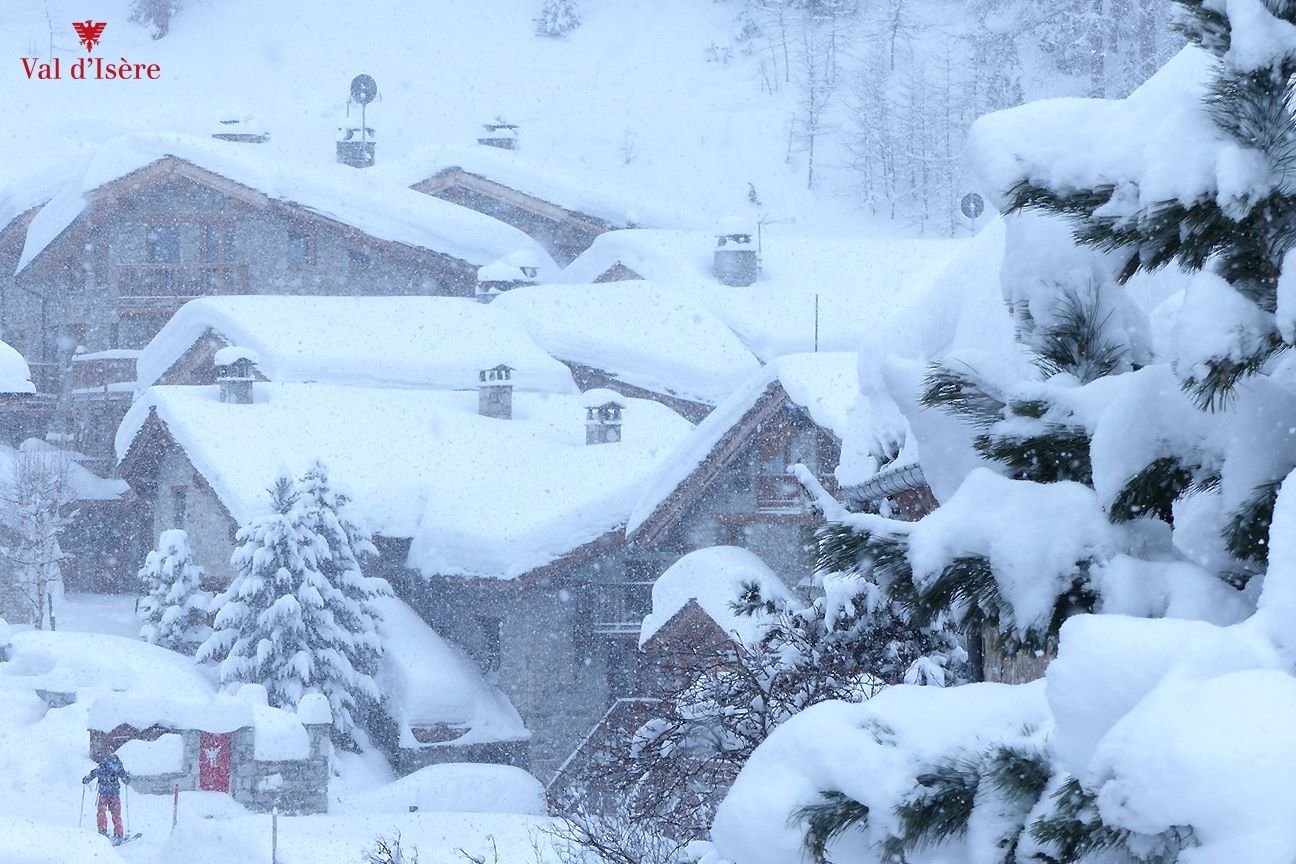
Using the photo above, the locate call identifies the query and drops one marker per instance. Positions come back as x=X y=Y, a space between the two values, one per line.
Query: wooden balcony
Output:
x=783 y=492
x=166 y=287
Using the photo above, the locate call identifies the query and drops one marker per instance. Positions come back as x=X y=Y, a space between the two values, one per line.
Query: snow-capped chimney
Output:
x=495 y=279
x=602 y=416
x=240 y=130
x=501 y=134
x=735 y=259
x=495 y=392
x=235 y=374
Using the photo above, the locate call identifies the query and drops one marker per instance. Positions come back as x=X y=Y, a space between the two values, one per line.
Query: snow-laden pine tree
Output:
x=275 y=625
x=558 y=18
x=1118 y=474
x=174 y=607
x=156 y=14
x=349 y=548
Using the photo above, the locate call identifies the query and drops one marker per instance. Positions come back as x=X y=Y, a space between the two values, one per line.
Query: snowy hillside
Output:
x=585 y=104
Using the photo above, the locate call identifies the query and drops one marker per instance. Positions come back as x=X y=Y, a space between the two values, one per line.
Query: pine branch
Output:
x=1247 y=531
x=1215 y=390
x=828 y=820
x=1076 y=341
x=963 y=394
x=943 y=805
x=1153 y=491
x=1059 y=453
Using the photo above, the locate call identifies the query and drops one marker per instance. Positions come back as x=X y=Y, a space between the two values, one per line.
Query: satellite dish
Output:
x=363 y=89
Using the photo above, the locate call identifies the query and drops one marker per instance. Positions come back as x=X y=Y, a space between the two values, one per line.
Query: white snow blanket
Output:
x=479 y=496
x=815 y=291
x=659 y=338
x=714 y=577
x=439 y=342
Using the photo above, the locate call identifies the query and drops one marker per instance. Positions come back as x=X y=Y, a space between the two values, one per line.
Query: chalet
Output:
x=810 y=292
x=563 y=215
x=149 y=223
x=732 y=484
x=639 y=339
x=497 y=530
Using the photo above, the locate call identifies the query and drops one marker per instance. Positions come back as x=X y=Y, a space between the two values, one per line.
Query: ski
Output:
x=126 y=839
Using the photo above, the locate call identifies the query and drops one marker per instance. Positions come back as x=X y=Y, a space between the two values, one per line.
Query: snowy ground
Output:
x=43 y=757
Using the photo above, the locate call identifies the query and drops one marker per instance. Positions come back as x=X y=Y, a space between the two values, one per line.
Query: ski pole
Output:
x=126 y=801
x=81 y=817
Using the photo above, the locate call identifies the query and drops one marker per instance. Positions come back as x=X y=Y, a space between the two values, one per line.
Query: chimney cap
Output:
x=601 y=397
x=231 y=354
x=502 y=372
x=240 y=128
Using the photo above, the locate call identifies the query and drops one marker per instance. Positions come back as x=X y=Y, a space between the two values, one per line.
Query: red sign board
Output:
x=214 y=762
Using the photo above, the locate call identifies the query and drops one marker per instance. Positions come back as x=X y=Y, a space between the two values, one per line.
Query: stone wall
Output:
x=295 y=787
x=410 y=759
x=550 y=662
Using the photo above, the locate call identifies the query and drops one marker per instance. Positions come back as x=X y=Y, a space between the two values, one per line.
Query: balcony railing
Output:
x=146 y=287
x=784 y=491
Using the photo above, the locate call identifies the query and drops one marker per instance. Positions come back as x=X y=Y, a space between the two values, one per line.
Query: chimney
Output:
x=501 y=134
x=356 y=146
x=240 y=130
x=736 y=263
x=602 y=416
x=495 y=279
x=235 y=373
x=495 y=392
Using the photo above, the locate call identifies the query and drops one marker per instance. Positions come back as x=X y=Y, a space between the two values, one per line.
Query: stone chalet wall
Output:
x=513 y=753
x=165 y=784
x=296 y=786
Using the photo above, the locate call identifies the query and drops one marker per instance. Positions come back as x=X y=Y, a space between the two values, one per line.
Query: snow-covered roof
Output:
x=84 y=483
x=714 y=577
x=479 y=496
x=659 y=338
x=389 y=341
x=15 y=375
x=850 y=277
x=600 y=198
x=277 y=733
x=358 y=199
x=825 y=385
x=431 y=682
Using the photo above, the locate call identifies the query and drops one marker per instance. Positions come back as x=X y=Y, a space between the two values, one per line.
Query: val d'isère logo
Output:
x=89 y=32
x=89 y=68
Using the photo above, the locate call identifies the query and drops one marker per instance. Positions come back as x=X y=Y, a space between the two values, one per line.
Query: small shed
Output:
x=263 y=757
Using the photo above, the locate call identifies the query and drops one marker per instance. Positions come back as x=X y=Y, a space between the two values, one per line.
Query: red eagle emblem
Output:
x=89 y=32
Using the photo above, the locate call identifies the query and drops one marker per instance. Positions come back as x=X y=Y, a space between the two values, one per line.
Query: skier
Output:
x=111 y=773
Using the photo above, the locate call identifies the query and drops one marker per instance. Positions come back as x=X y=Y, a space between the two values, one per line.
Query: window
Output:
x=218 y=242
x=163 y=243
x=357 y=262
x=301 y=249
x=179 y=505
x=76 y=274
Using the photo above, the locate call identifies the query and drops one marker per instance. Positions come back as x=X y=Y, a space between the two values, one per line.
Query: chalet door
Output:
x=214 y=762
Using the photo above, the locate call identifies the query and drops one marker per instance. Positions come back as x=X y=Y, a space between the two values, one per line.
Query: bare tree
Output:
x=34 y=505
